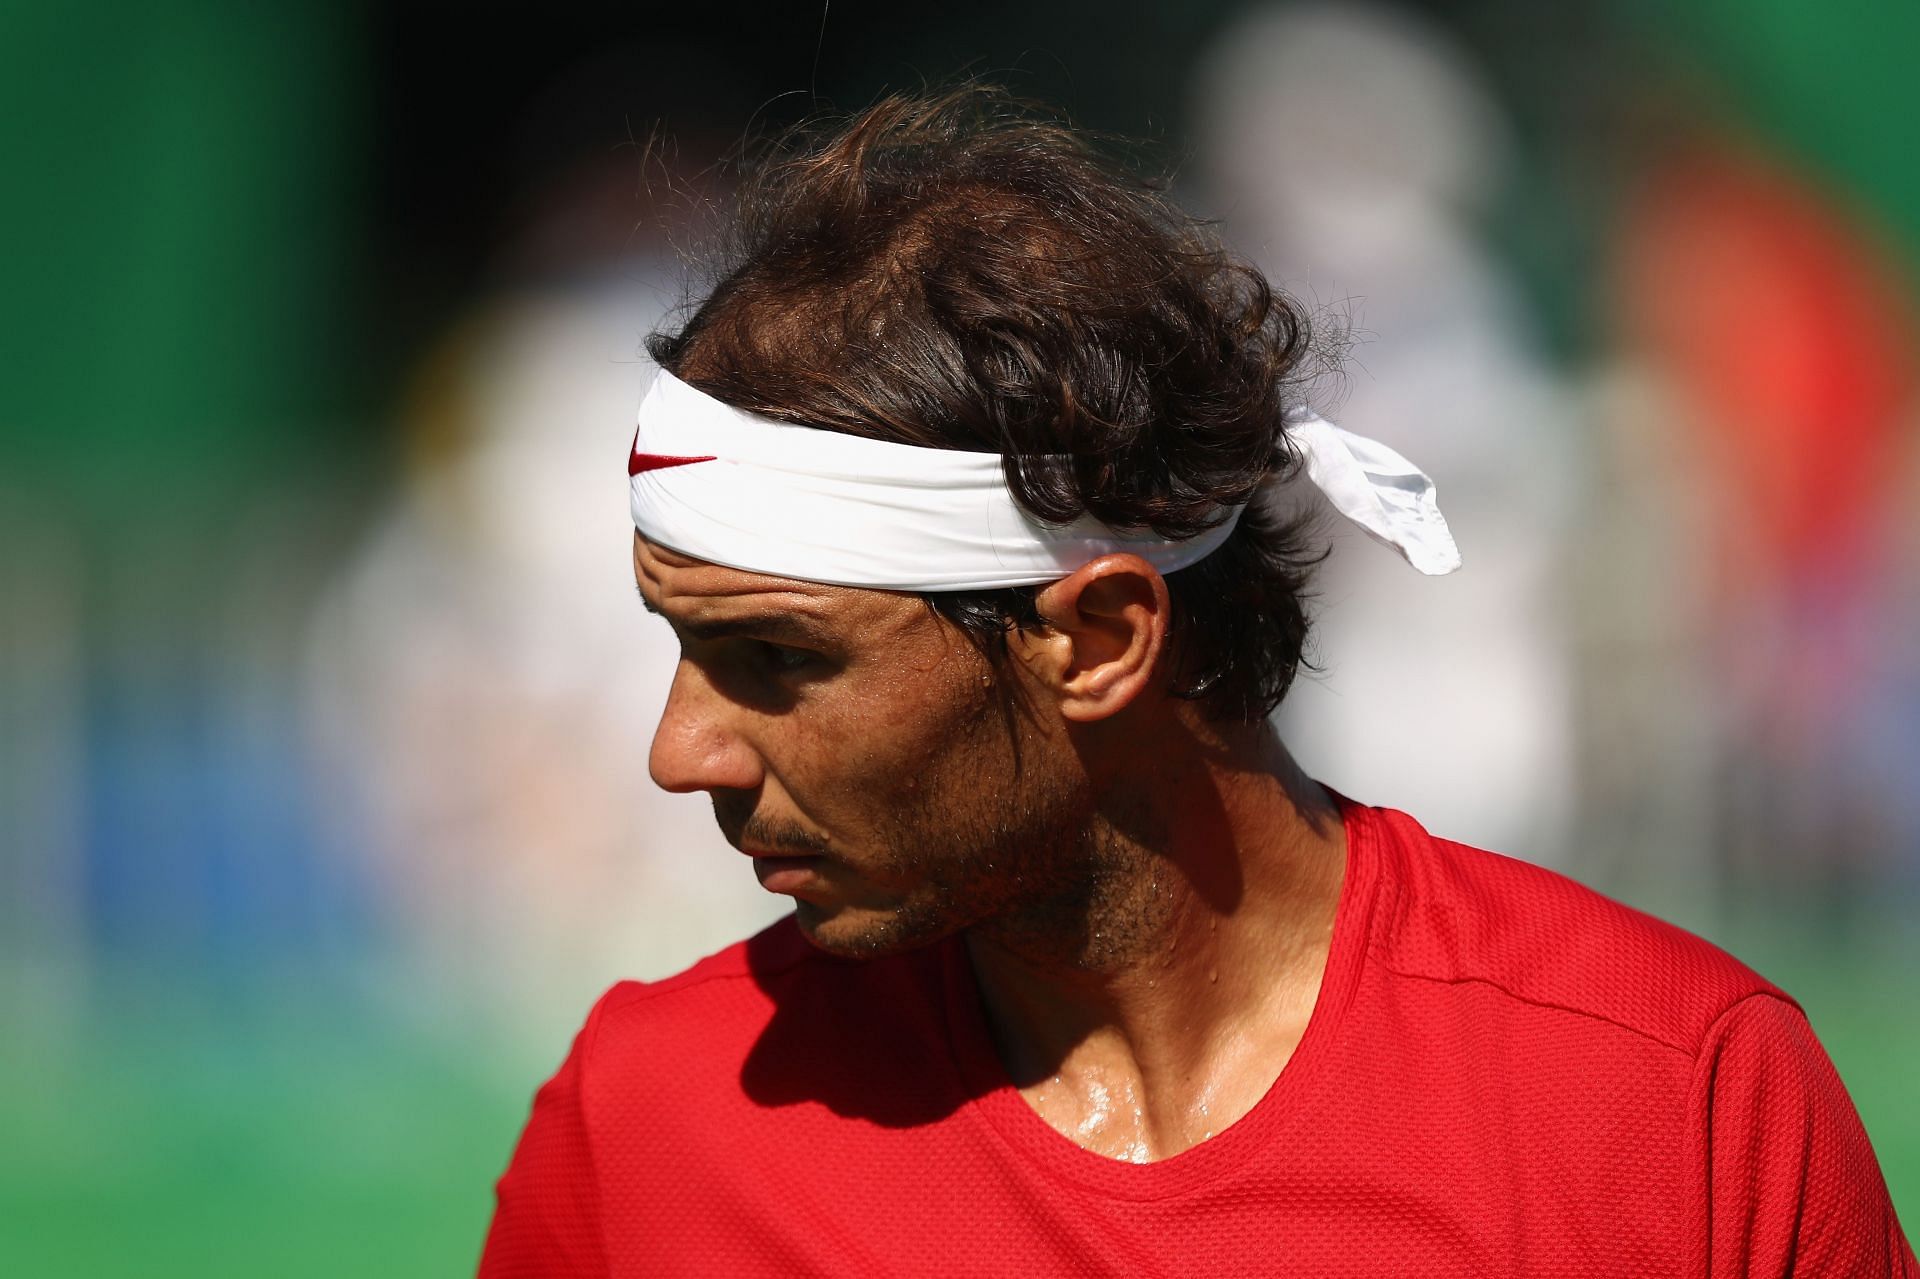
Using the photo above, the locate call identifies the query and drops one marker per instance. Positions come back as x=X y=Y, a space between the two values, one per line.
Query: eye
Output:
x=780 y=659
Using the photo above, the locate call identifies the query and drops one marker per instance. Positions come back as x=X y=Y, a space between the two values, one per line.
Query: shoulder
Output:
x=727 y=994
x=1454 y=913
x=777 y=953
x=1794 y=1186
x=772 y=995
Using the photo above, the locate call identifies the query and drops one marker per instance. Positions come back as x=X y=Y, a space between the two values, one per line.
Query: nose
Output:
x=696 y=747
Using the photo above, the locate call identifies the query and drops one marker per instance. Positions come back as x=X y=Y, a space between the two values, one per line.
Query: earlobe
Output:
x=1106 y=631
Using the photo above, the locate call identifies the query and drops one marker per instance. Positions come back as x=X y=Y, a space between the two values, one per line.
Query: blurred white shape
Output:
x=1350 y=147
x=1348 y=128
x=489 y=681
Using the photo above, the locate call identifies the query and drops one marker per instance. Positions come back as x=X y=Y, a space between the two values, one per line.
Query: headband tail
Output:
x=1376 y=488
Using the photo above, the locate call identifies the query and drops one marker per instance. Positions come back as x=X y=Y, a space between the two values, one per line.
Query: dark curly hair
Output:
x=965 y=270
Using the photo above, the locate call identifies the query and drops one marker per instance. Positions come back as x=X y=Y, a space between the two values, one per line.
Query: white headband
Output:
x=734 y=488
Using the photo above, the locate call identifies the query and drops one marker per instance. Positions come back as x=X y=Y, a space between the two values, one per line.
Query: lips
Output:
x=785 y=874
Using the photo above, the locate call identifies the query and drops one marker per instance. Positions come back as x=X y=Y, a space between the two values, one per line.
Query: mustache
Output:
x=771 y=834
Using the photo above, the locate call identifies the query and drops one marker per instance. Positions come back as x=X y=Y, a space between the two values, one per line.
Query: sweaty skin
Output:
x=1147 y=898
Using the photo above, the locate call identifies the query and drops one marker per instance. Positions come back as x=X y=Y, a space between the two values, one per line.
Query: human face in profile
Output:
x=861 y=751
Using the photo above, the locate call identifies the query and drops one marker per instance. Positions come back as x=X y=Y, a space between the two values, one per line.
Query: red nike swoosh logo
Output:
x=638 y=461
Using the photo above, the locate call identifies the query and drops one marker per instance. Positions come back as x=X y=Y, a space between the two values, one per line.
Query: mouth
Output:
x=790 y=875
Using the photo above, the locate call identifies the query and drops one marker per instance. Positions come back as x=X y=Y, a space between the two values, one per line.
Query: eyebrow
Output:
x=773 y=627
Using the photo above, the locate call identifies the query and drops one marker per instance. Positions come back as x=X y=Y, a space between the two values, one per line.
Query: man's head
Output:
x=963 y=272
x=960 y=273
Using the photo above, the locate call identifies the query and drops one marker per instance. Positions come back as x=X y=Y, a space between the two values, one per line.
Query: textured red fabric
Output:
x=1505 y=1073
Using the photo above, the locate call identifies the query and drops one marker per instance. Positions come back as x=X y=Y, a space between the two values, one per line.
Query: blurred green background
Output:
x=323 y=815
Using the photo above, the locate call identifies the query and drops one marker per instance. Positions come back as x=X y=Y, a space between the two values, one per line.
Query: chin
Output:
x=855 y=932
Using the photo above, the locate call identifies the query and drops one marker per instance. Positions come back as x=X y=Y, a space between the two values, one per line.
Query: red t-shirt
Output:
x=1505 y=1073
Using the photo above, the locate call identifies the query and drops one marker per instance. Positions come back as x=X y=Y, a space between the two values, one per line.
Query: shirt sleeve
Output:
x=1792 y=1184
x=546 y=1217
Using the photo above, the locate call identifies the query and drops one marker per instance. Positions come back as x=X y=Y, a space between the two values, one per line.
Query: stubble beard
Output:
x=1024 y=857
x=1004 y=834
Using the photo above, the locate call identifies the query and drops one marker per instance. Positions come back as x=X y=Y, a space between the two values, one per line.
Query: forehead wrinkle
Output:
x=698 y=596
x=692 y=592
x=675 y=574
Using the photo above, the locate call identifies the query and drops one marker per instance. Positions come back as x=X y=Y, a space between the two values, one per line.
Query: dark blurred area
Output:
x=324 y=697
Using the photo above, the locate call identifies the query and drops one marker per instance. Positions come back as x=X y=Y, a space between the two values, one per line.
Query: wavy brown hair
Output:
x=967 y=271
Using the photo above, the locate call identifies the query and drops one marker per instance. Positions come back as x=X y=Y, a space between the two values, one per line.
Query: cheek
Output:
x=897 y=738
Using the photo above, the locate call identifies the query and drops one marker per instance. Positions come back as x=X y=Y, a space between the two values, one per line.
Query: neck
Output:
x=1179 y=1002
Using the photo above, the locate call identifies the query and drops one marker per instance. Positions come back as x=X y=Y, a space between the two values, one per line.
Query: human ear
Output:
x=1106 y=626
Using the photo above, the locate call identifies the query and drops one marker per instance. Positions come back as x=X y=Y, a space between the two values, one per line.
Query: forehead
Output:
x=691 y=591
